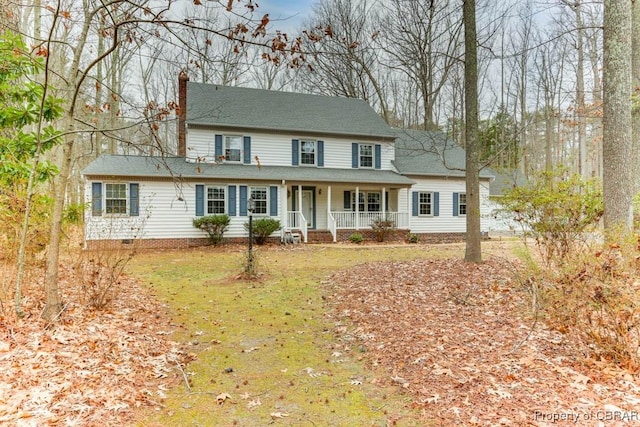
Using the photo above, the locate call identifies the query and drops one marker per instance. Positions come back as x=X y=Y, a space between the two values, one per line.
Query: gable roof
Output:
x=238 y=107
x=178 y=168
x=429 y=153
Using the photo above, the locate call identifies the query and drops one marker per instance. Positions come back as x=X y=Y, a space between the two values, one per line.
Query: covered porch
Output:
x=333 y=207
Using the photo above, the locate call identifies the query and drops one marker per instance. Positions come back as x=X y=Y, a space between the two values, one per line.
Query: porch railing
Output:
x=357 y=220
x=297 y=221
x=331 y=220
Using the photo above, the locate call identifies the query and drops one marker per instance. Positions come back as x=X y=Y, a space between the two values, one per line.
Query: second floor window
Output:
x=366 y=156
x=215 y=200
x=308 y=153
x=233 y=148
x=115 y=198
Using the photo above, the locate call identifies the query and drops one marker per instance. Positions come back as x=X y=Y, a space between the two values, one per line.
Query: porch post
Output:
x=284 y=213
x=328 y=203
x=357 y=208
x=300 y=199
x=384 y=202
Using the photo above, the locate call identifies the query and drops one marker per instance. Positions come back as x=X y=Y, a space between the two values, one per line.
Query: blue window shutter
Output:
x=347 y=200
x=231 y=202
x=247 y=150
x=295 y=152
x=96 y=199
x=354 y=155
x=378 y=156
x=218 y=147
x=386 y=201
x=243 y=200
x=455 y=204
x=134 y=199
x=414 y=207
x=436 y=204
x=199 y=200
x=273 y=201
x=320 y=153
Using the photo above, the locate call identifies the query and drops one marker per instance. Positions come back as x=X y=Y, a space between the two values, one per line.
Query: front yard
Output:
x=334 y=335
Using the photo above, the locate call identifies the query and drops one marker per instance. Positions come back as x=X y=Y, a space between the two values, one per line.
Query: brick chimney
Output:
x=183 y=78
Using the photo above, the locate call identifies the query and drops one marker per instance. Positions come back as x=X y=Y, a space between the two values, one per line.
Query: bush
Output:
x=593 y=301
x=382 y=229
x=73 y=213
x=214 y=226
x=263 y=228
x=356 y=238
x=412 y=238
x=556 y=209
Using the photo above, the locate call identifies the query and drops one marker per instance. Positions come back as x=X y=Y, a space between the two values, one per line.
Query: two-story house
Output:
x=320 y=165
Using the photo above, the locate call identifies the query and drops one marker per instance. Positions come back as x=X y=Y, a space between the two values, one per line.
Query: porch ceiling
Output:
x=177 y=167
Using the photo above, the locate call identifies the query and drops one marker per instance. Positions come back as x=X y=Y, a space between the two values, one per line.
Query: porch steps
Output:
x=319 y=236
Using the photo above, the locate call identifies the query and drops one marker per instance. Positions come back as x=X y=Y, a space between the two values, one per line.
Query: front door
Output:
x=307 y=207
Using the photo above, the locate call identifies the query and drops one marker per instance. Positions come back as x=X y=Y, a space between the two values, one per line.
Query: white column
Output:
x=384 y=201
x=357 y=196
x=300 y=198
x=328 y=203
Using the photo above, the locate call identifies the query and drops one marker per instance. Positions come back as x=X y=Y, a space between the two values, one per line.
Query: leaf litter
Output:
x=91 y=368
x=457 y=338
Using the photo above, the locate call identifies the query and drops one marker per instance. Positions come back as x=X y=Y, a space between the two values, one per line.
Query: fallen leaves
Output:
x=92 y=367
x=455 y=336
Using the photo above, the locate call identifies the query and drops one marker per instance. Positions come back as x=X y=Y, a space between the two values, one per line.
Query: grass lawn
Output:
x=267 y=351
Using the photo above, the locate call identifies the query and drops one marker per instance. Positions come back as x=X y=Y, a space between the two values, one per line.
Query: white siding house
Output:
x=318 y=164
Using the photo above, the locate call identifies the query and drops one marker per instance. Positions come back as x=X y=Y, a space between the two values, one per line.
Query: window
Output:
x=373 y=202
x=233 y=148
x=259 y=196
x=462 y=204
x=215 y=200
x=366 y=156
x=425 y=203
x=368 y=202
x=116 y=198
x=308 y=153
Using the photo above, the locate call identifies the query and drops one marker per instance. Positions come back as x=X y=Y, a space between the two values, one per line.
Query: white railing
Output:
x=297 y=221
x=331 y=220
x=357 y=220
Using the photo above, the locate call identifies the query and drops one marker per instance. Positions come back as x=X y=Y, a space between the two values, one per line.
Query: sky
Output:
x=285 y=15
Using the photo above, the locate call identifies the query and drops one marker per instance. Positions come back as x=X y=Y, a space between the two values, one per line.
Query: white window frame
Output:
x=314 y=153
x=106 y=199
x=260 y=202
x=363 y=196
x=210 y=207
x=462 y=206
x=428 y=204
x=361 y=155
x=228 y=147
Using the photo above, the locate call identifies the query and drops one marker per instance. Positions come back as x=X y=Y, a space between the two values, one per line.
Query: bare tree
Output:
x=473 y=252
x=618 y=177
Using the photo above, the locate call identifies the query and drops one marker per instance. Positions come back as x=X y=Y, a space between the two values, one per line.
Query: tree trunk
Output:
x=473 y=251
x=635 y=90
x=53 y=301
x=617 y=145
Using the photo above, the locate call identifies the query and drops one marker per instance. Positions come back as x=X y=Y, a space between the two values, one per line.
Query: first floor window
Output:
x=233 y=148
x=215 y=200
x=367 y=201
x=116 y=198
x=308 y=153
x=366 y=156
x=259 y=196
x=462 y=204
x=425 y=203
x=373 y=202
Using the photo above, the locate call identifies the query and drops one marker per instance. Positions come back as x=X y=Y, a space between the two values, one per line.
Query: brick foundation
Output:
x=320 y=236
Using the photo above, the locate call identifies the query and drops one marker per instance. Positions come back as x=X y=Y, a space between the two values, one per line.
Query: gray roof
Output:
x=430 y=153
x=213 y=105
x=506 y=180
x=178 y=167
